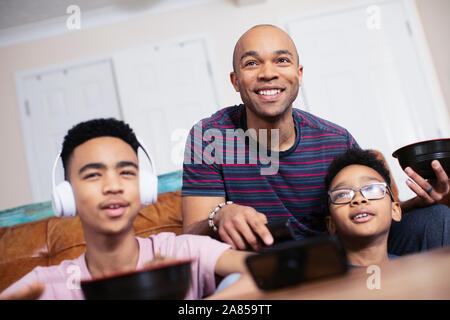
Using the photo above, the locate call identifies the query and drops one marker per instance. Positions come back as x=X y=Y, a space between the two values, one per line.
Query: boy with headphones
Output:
x=106 y=186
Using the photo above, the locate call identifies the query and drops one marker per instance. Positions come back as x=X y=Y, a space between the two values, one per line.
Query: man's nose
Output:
x=268 y=72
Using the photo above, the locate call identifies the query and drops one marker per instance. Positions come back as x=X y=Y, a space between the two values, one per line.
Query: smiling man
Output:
x=233 y=200
x=267 y=74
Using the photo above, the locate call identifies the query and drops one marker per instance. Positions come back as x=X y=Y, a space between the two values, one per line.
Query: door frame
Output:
x=19 y=80
x=419 y=41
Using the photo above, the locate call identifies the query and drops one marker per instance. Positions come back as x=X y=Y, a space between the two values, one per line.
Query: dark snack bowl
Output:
x=419 y=155
x=168 y=281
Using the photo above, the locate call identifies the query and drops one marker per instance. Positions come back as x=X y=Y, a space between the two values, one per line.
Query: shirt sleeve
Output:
x=202 y=175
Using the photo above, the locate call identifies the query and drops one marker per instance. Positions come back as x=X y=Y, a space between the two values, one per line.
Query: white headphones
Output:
x=63 y=200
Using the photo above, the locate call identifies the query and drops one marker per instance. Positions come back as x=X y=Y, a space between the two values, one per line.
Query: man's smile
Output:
x=269 y=93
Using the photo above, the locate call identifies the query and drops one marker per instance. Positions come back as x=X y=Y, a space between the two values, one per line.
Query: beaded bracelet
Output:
x=213 y=213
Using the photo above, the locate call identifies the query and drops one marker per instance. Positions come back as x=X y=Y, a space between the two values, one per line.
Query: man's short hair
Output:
x=95 y=128
x=357 y=156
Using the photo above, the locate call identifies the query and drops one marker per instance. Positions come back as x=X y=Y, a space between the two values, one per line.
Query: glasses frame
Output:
x=354 y=190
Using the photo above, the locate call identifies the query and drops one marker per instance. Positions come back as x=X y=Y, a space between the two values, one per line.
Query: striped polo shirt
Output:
x=221 y=159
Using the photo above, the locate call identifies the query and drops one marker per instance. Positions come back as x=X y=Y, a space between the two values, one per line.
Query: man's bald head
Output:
x=264 y=30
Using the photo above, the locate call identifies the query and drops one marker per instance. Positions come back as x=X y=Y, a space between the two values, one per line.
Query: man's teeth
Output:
x=269 y=92
x=361 y=215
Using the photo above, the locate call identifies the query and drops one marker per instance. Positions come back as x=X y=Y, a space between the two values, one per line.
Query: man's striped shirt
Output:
x=218 y=163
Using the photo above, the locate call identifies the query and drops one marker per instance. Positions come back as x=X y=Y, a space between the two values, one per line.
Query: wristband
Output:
x=213 y=213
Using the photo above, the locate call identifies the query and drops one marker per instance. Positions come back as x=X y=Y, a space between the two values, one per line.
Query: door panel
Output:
x=368 y=80
x=55 y=101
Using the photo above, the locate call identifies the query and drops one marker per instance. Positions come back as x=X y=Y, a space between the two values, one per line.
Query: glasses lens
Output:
x=342 y=196
x=373 y=191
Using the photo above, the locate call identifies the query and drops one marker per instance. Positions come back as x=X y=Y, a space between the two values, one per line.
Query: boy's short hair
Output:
x=357 y=156
x=95 y=128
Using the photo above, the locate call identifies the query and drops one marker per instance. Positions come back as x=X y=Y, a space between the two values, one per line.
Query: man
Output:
x=101 y=165
x=267 y=74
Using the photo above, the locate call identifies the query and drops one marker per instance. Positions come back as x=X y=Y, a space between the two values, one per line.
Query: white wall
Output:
x=222 y=21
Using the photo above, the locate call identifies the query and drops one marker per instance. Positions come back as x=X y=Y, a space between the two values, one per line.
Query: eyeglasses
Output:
x=373 y=191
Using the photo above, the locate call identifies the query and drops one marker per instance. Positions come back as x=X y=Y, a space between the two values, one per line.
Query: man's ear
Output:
x=300 y=73
x=396 y=212
x=330 y=224
x=234 y=80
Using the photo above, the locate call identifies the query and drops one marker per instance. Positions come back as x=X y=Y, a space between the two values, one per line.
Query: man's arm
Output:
x=237 y=225
x=196 y=211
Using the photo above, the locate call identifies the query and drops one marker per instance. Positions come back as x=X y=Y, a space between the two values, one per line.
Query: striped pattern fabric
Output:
x=296 y=190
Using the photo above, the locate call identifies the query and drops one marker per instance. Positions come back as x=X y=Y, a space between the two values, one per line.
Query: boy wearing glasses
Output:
x=361 y=206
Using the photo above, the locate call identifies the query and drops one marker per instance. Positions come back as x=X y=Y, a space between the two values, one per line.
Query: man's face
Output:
x=267 y=74
x=361 y=217
x=104 y=176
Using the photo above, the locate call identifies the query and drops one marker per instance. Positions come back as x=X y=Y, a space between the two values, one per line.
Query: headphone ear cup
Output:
x=148 y=187
x=63 y=201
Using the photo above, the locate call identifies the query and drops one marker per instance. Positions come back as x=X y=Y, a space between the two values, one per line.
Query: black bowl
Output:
x=167 y=281
x=419 y=155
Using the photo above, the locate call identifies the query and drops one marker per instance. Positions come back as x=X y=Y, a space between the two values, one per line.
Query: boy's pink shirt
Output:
x=60 y=281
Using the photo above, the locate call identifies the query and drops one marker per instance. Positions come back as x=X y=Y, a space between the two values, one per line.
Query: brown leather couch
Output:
x=50 y=241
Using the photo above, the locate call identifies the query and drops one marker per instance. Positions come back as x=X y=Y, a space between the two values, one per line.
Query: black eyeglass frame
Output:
x=354 y=190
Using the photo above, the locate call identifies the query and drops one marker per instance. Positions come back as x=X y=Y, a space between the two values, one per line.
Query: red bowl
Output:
x=419 y=155
x=166 y=281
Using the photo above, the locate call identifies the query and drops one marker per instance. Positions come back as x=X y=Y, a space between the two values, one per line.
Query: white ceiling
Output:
x=14 y=13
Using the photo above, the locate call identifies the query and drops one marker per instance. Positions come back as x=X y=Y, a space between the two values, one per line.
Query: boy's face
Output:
x=346 y=219
x=104 y=176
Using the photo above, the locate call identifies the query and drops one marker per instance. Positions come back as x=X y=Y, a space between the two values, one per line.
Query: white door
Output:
x=52 y=102
x=164 y=89
x=361 y=71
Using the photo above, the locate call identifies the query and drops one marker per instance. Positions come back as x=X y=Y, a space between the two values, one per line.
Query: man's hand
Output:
x=241 y=226
x=30 y=292
x=427 y=192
